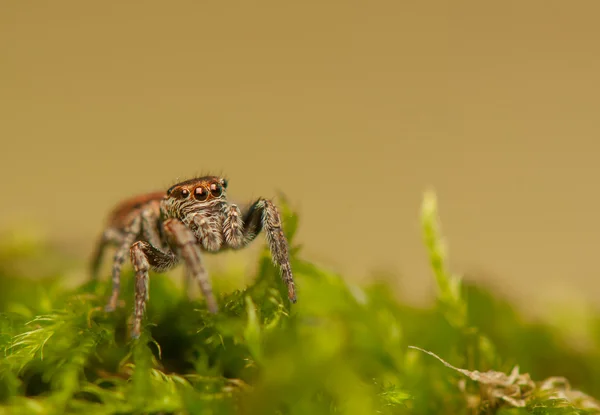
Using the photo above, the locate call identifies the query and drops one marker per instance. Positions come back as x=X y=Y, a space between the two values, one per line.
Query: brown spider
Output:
x=159 y=229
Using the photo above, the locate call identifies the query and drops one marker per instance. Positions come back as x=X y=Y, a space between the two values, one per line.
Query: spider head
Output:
x=206 y=193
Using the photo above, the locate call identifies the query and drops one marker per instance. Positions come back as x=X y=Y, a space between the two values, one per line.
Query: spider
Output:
x=161 y=229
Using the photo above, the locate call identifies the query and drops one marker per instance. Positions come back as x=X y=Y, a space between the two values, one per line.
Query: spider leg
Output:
x=263 y=214
x=109 y=237
x=144 y=257
x=150 y=228
x=130 y=234
x=186 y=244
x=233 y=227
x=208 y=231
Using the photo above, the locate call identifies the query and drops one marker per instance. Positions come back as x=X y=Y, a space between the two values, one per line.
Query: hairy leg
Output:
x=144 y=257
x=110 y=236
x=150 y=224
x=128 y=238
x=149 y=228
x=263 y=215
x=233 y=230
x=185 y=243
x=141 y=266
x=208 y=230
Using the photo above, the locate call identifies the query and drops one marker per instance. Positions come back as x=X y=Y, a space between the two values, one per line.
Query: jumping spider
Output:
x=159 y=229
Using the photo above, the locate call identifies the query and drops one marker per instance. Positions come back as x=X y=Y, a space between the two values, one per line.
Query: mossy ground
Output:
x=341 y=349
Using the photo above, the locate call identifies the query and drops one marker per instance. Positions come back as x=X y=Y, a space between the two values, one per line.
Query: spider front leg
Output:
x=186 y=244
x=208 y=231
x=130 y=235
x=264 y=215
x=233 y=227
x=110 y=236
x=144 y=256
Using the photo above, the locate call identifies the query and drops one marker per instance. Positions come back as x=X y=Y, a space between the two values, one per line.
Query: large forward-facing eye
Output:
x=200 y=193
x=216 y=189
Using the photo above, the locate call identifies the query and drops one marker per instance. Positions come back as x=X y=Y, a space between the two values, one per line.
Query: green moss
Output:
x=340 y=349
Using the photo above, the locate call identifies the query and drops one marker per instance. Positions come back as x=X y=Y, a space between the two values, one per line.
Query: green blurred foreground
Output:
x=340 y=349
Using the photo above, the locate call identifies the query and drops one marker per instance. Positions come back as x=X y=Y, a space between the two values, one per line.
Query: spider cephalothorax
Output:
x=161 y=229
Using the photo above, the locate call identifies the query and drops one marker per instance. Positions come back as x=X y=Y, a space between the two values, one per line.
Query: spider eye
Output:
x=225 y=183
x=216 y=189
x=200 y=193
x=185 y=193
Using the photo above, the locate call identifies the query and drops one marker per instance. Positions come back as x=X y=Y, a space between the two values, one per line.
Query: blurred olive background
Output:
x=353 y=109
